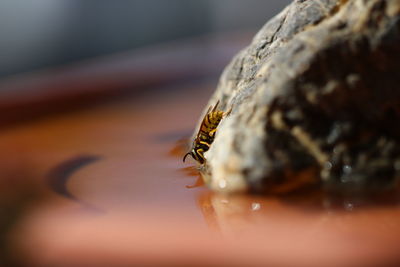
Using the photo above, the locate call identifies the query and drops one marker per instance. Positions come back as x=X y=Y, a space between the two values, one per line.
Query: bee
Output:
x=206 y=133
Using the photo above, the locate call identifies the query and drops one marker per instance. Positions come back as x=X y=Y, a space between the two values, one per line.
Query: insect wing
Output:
x=215 y=107
x=201 y=126
x=204 y=119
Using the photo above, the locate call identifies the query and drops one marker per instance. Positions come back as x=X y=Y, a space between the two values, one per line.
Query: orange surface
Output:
x=118 y=195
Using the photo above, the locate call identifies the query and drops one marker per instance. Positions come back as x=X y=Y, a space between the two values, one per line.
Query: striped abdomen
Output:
x=211 y=121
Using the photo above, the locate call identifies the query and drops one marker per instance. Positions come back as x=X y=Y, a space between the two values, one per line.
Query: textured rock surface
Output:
x=315 y=97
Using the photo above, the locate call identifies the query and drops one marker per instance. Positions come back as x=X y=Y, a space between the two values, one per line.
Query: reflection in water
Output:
x=306 y=203
x=178 y=150
x=199 y=182
x=310 y=211
x=301 y=227
x=192 y=171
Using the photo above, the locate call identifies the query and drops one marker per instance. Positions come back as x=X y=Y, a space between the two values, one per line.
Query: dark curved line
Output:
x=58 y=177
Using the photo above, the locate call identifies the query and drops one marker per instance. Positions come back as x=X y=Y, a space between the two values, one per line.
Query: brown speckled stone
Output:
x=315 y=98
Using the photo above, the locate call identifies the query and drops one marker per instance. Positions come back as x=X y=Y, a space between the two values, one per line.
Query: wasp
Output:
x=206 y=133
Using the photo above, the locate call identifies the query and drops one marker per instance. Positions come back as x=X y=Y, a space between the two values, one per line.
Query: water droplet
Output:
x=224 y=201
x=222 y=184
x=255 y=206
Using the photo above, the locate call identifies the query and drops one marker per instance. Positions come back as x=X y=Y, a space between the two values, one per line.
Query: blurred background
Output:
x=96 y=100
x=45 y=33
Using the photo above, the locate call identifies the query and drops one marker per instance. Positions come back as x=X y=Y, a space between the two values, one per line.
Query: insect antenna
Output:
x=184 y=157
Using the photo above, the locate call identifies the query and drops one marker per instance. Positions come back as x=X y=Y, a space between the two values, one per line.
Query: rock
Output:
x=315 y=98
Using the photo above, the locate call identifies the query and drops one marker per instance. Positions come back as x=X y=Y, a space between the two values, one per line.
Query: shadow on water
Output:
x=59 y=176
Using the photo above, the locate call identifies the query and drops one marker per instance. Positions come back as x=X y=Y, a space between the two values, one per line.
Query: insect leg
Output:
x=228 y=112
x=200 y=152
x=212 y=132
x=204 y=143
